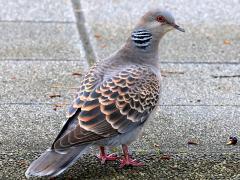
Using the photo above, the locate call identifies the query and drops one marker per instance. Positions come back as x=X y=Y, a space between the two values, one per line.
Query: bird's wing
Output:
x=116 y=105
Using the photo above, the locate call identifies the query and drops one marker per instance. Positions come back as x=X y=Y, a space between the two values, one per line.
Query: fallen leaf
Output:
x=227 y=42
x=59 y=105
x=56 y=106
x=192 y=143
x=77 y=74
x=56 y=85
x=166 y=73
x=97 y=36
x=72 y=87
x=22 y=163
x=156 y=145
x=165 y=157
x=54 y=95
x=173 y=72
x=103 y=46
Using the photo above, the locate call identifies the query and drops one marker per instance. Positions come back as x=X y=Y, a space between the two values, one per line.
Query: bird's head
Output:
x=158 y=20
x=152 y=26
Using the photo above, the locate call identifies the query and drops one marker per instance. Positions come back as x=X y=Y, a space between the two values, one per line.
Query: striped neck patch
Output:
x=141 y=38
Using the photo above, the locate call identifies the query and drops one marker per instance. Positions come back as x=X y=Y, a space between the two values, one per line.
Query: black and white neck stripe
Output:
x=141 y=38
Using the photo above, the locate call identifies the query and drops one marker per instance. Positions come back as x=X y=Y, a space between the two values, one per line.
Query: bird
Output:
x=117 y=96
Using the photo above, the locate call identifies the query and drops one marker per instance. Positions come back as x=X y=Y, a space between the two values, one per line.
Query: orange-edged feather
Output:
x=107 y=107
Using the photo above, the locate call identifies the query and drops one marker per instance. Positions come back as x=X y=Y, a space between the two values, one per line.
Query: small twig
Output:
x=165 y=73
x=76 y=74
x=192 y=143
x=54 y=95
x=226 y=76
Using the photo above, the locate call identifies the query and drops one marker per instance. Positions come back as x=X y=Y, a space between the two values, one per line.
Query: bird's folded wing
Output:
x=116 y=105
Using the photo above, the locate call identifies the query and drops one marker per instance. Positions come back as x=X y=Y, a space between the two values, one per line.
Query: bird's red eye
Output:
x=160 y=19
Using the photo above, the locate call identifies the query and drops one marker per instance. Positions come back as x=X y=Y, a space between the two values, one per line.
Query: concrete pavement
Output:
x=41 y=56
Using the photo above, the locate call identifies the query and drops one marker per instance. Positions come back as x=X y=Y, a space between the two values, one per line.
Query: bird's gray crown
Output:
x=151 y=15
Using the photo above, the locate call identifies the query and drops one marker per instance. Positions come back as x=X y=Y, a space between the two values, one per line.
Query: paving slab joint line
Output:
x=153 y=151
x=37 y=21
x=82 y=30
x=79 y=59
x=161 y=105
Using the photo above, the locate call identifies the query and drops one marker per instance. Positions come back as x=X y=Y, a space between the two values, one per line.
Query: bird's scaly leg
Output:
x=127 y=160
x=106 y=157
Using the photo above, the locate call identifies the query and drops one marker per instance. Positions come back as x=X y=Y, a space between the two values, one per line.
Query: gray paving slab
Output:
x=27 y=130
x=199 y=43
x=199 y=84
x=126 y=12
x=33 y=128
x=199 y=103
x=31 y=10
x=39 y=41
x=183 y=84
x=178 y=166
x=211 y=28
x=35 y=81
x=193 y=166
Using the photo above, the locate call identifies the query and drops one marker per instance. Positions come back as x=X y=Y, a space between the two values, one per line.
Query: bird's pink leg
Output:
x=106 y=157
x=127 y=160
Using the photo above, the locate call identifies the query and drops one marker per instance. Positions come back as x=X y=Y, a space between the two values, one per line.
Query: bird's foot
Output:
x=107 y=157
x=130 y=162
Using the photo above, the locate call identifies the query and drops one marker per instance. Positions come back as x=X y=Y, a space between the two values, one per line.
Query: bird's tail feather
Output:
x=52 y=162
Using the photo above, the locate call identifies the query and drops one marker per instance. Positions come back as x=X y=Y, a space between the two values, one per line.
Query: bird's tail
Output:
x=52 y=163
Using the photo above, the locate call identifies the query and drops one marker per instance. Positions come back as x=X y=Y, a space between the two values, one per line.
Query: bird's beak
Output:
x=178 y=27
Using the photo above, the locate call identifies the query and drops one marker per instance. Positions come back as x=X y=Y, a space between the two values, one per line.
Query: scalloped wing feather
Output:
x=111 y=106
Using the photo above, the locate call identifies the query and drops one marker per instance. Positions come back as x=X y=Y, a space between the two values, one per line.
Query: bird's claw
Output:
x=130 y=162
x=107 y=157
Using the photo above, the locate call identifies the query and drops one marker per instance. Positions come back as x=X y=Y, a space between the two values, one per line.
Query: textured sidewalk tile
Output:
x=199 y=43
x=37 y=81
x=28 y=127
x=34 y=127
x=28 y=130
x=209 y=126
x=211 y=28
x=36 y=10
x=126 y=12
x=179 y=166
x=199 y=84
x=200 y=102
x=39 y=41
x=189 y=84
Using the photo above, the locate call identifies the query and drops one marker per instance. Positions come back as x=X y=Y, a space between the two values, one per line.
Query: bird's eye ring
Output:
x=160 y=19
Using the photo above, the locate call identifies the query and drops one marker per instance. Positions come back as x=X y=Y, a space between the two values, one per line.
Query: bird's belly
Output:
x=126 y=138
